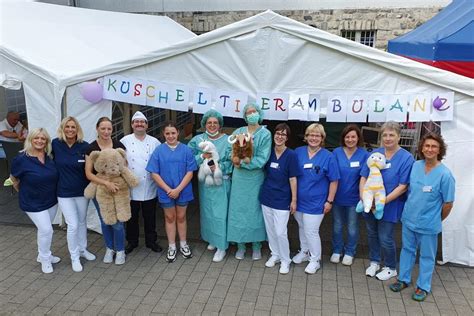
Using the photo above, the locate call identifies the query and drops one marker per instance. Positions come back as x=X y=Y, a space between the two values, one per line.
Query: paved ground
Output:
x=147 y=284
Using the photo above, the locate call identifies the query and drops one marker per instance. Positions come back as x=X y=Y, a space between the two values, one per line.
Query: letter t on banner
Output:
x=337 y=108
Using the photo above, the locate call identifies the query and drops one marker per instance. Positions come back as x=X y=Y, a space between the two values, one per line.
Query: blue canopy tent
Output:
x=446 y=41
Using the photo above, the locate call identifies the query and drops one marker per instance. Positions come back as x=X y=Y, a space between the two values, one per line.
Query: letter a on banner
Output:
x=298 y=107
x=397 y=108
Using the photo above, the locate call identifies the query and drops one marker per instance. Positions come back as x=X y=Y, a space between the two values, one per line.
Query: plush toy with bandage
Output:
x=374 y=189
x=205 y=173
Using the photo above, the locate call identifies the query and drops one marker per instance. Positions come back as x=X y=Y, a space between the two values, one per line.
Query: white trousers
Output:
x=42 y=221
x=276 y=225
x=75 y=213
x=308 y=225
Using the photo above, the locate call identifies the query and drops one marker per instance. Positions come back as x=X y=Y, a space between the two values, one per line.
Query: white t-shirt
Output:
x=138 y=154
x=4 y=126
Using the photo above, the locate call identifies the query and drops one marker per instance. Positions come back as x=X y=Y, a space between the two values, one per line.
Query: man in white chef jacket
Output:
x=139 y=147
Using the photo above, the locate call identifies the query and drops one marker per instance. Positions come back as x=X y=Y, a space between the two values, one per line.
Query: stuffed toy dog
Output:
x=110 y=165
x=374 y=188
x=242 y=148
x=205 y=174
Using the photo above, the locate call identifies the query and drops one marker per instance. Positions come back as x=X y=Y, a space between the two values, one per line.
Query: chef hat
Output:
x=139 y=116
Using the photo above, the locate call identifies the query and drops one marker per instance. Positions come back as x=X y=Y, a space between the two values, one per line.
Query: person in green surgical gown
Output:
x=214 y=200
x=245 y=223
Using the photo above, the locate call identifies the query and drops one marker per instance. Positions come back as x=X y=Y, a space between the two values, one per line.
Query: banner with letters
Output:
x=339 y=107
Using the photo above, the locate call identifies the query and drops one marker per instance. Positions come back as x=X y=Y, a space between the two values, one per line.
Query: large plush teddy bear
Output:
x=374 y=188
x=205 y=174
x=242 y=148
x=110 y=165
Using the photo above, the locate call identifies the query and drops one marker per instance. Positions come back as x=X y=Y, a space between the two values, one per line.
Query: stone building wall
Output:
x=388 y=23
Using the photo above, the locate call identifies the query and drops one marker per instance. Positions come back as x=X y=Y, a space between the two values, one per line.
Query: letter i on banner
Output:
x=420 y=107
x=378 y=108
x=337 y=108
x=357 y=108
x=314 y=107
x=298 y=107
x=442 y=106
x=397 y=108
x=202 y=100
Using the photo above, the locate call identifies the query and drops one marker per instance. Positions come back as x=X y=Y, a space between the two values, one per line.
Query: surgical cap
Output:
x=212 y=113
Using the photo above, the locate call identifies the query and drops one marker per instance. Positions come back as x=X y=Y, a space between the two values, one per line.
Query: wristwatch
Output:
x=330 y=202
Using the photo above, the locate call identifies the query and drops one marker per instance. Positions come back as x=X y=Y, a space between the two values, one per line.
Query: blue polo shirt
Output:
x=70 y=162
x=397 y=171
x=426 y=195
x=38 y=182
x=276 y=191
x=313 y=183
x=349 y=169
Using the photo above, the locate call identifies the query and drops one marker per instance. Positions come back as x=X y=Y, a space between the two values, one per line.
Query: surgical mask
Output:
x=212 y=134
x=253 y=118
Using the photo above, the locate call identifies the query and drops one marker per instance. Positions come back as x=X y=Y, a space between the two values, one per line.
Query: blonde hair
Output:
x=28 y=147
x=80 y=133
x=316 y=128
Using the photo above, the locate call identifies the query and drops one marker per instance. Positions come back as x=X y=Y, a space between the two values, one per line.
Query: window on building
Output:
x=363 y=37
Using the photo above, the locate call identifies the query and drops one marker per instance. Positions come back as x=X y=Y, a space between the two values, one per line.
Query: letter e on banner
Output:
x=442 y=106
x=179 y=97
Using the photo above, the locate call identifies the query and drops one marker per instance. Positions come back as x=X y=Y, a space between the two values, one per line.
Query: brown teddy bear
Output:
x=110 y=165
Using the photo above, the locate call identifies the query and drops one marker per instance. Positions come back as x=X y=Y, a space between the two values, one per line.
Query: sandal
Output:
x=398 y=286
x=419 y=295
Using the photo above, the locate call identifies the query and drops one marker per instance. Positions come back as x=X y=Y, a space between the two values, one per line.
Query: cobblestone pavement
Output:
x=147 y=284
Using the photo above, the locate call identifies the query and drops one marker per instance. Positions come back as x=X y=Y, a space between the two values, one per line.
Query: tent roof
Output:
x=66 y=45
x=447 y=36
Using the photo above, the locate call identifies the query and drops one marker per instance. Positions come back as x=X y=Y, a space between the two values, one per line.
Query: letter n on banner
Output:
x=378 y=108
x=337 y=108
x=357 y=108
x=420 y=107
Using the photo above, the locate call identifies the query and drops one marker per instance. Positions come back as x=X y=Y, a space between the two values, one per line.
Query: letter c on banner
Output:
x=148 y=94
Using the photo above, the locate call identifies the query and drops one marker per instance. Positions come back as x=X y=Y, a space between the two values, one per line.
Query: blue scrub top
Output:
x=397 y=172
x=70 y=163
x=426 y=196
x=172 y=165
x=38 y=182
x=313 y=183
x=349 y=169
x=276 y=190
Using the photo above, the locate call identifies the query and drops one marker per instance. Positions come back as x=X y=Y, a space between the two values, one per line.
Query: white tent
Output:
x=49 y=47
x=271 y=53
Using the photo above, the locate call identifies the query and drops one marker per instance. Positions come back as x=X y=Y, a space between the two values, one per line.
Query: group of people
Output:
x=254 y=200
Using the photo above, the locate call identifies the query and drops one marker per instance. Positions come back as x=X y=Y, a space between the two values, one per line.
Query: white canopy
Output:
x=50 y=47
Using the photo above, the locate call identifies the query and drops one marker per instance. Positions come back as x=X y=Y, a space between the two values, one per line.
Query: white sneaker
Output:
x=347 y=260
x=284 y=268
x=87 y=255
x=272 y=261
x=256 y=255
x=120 y=257
x=240 y=254
x=46 y=267
x=211 y=247
x=53 y=259
x=76 y=265
x=386 y=274
x=302 y=256
x=219 y=256
x=372 y=269
x=109 y=255
x=312 y=267
x=335 y=258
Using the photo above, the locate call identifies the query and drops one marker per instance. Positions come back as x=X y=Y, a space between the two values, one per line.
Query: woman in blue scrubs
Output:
x=69 y=151
x=278 y=197
x=317 y=187
x=430 y=200
x=34 y=175
x=245 y=220
x=350 y=158
x=396 y=177
x=214 y=200
x=171 y=166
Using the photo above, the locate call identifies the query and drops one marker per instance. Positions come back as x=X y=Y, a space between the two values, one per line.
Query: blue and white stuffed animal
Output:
x=374 y=188
x=205 y=173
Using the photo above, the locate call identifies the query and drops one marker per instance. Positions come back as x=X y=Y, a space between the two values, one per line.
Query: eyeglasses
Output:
x=314 y=136
x=277 y=134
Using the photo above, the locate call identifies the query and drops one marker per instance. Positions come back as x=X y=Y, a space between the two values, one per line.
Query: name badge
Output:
x=387 y=166
x=81 y=160
x=308 y=166
x=274 y=165
x=355 y=164
x=427 y=188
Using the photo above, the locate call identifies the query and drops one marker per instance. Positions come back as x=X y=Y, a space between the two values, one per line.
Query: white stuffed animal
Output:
x=205 y=174
x=374 y=188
